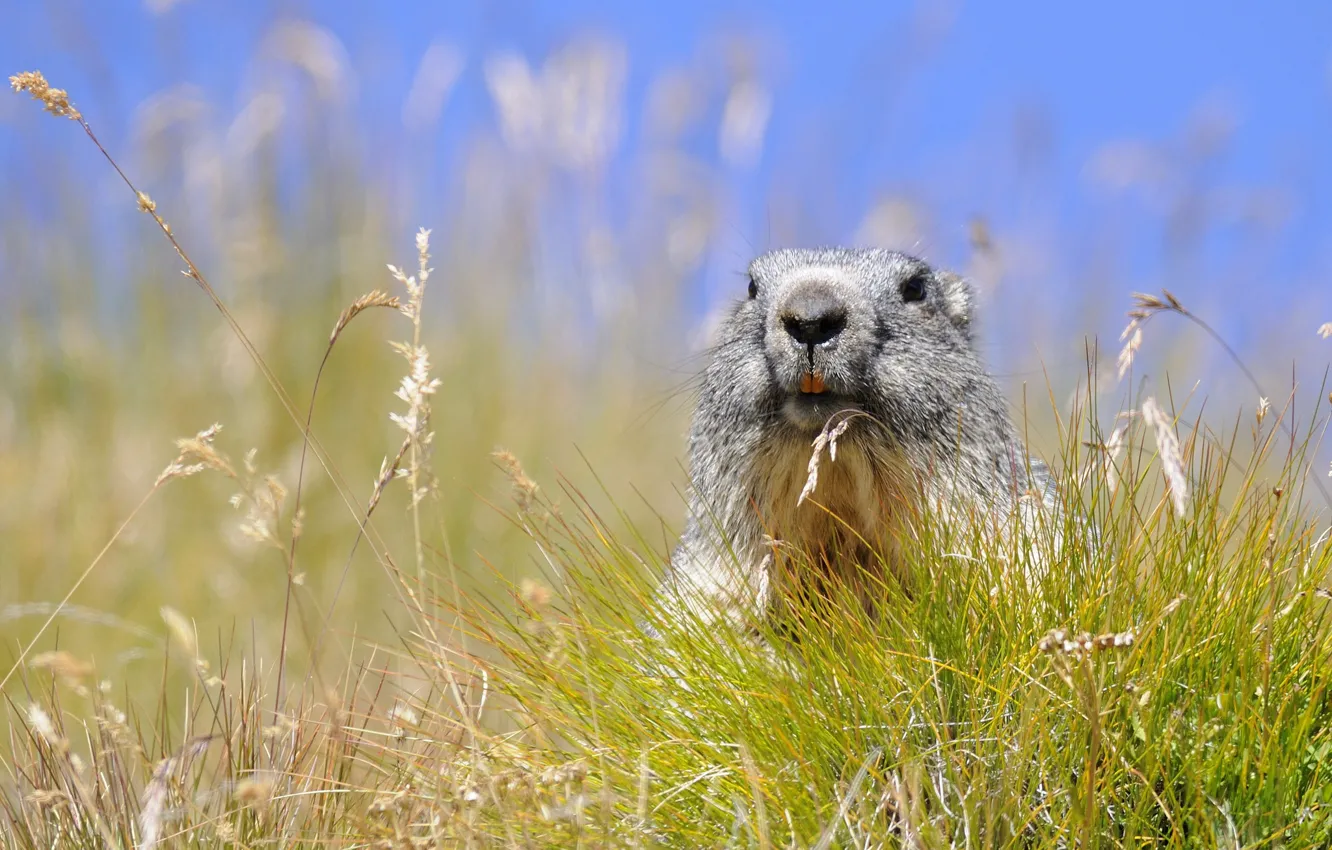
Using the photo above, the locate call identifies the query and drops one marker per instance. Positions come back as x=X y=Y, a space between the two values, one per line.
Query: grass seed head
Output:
x=1167 y=446
x=524 y=488
x=255 y=793
x=1114 y=448
x=1133 y=336
x=56 y=101
x=534 y=593
x=195 y=455
x=376 y=298
x=41 y=723
x=62 y=665
x=833 y=429
x=44 y=800
x=182 y=631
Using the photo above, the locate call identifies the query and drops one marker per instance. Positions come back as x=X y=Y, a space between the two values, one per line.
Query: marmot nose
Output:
x=815 y=321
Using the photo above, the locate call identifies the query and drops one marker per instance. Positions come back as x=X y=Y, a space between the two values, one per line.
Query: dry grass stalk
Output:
x=416 y=388
x=1114 y=449
x=1132 y=339
x=1144 y=307
x=1167 y=446
x=376 y=298
x=40 y=722
x=55 y=101
x=1109 y=452
x=62 y=665
x=182 y=631
x=262 y=497
x=195 y=455
x=152 y=813
x=833 y=429
x=388 y=470
x=254 y=792
x=524 y=488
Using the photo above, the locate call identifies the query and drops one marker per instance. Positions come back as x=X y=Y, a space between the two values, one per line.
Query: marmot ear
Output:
x=959 y=300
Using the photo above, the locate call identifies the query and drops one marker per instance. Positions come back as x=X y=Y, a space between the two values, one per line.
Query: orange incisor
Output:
x=812 y=382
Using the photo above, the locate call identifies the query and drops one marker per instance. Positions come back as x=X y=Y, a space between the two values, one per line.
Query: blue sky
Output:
x=868 y=98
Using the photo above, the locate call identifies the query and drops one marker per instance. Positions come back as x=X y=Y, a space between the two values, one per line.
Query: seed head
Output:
x=377 y=298
x=827 y=438
x=524 y=488
x=1132 y=337
x=182 y=630
x=40 y=721
x=255 y=793
x=61 y=664
x=56 y=101
x=534 y=593
x=1167 y=446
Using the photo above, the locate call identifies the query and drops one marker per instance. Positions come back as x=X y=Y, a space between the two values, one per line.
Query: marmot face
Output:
x=858 y=330
x=884 y=339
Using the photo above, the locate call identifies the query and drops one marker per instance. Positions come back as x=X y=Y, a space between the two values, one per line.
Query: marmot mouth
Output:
x=811 y=383
x=809 y=411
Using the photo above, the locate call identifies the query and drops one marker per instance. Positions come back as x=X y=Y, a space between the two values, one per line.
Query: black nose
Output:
x=816 y=323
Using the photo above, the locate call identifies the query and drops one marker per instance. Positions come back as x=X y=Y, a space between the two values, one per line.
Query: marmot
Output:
x=875 y=337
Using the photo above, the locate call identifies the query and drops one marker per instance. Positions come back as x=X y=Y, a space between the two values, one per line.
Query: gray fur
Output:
x=930 y=430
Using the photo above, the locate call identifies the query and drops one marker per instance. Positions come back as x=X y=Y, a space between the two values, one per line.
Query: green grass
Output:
x=545 y=717
x=476 y=672
x=964 y=723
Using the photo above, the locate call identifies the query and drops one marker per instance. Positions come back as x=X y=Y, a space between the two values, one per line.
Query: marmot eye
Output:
x=753 y=288
x=913 y=288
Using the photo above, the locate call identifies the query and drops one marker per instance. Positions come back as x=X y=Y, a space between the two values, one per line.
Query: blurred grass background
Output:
x=591 y=212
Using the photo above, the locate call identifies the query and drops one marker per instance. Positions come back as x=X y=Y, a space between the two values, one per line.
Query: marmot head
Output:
x=881 y=339
x=830 y=331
